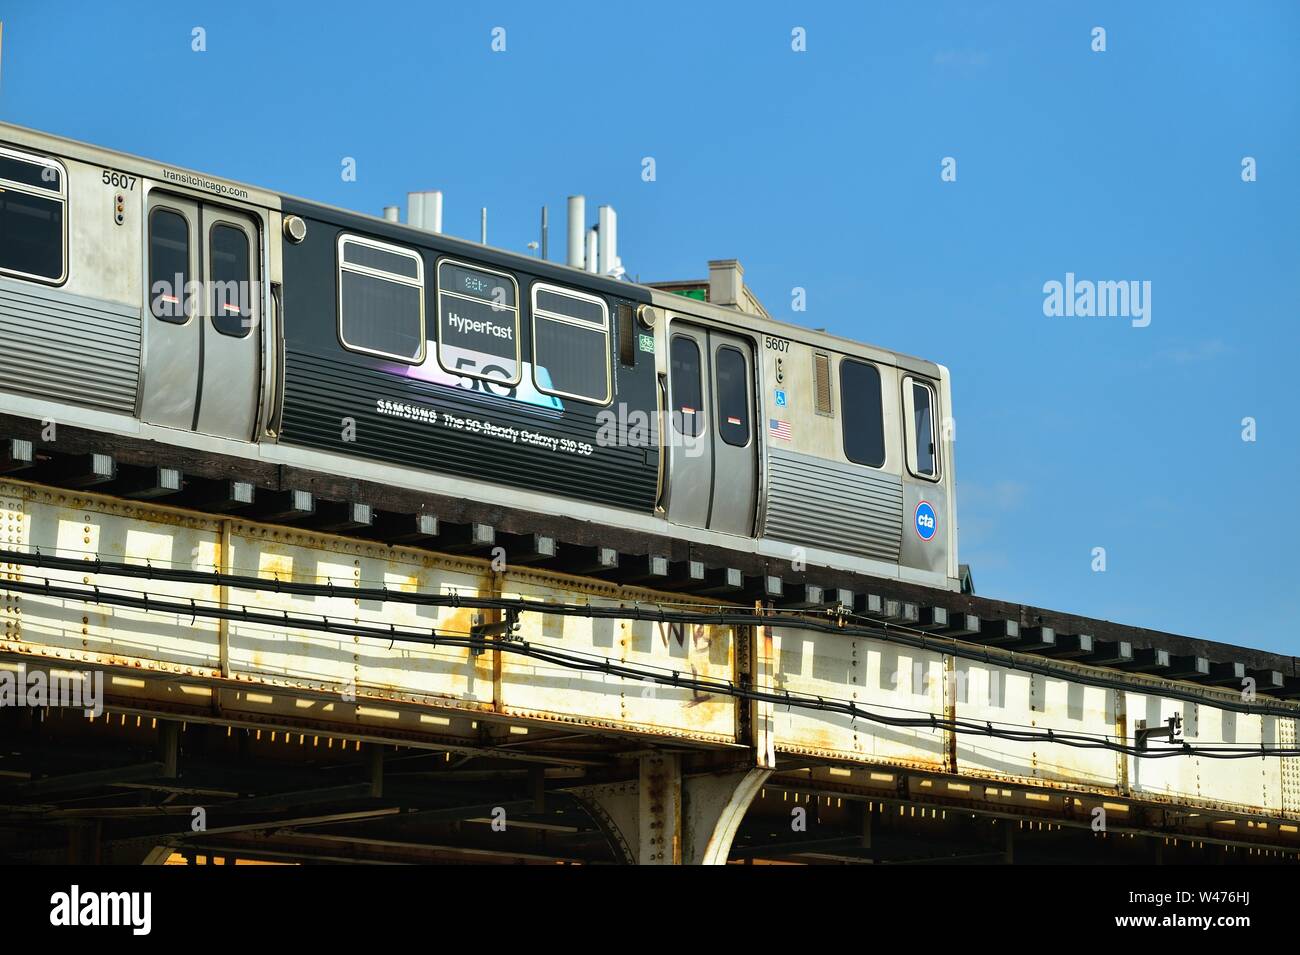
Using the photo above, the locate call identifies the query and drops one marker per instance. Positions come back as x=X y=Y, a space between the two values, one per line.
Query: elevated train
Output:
x=141 y=299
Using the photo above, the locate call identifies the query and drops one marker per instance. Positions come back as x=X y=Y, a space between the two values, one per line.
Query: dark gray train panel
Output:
x=422 y=414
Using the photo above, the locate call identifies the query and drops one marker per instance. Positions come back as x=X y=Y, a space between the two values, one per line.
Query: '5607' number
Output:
x=118 y=180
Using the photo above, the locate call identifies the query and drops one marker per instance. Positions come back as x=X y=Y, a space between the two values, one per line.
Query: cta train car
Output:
x=141 y=299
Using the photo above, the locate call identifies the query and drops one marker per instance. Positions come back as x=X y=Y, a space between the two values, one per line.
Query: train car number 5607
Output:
x=118 y=180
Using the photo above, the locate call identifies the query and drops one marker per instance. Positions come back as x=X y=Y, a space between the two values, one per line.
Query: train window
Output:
x=230 y=279
x=732 y=396
x=687 y=386
x=862 y=413
x=33 y=218
x=381 y=299
x=478 y=322
x=379 y=259
x=570 y=344
x=924 y=460
x=31 y=172
x=169 y=266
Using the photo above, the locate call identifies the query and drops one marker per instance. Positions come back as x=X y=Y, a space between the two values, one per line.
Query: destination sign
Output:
x=461 y=280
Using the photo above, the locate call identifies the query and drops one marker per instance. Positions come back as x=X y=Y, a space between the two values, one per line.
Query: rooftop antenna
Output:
x=544 y=230
x=577 y=223
x=608 y=240
x=424 y=210
x=484 y=226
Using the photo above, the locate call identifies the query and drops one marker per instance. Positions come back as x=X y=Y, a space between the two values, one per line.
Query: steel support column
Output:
x=664 y=818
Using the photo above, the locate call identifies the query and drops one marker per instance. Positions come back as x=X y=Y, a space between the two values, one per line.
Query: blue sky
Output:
x=821 y=169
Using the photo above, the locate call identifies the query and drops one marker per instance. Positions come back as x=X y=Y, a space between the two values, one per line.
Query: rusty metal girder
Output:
x=241 y=673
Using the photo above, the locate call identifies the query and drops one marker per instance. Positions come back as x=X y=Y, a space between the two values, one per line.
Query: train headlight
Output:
x=647 y=316
x=295 y=229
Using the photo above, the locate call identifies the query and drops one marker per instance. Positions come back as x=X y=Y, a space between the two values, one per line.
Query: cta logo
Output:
x=926 y=522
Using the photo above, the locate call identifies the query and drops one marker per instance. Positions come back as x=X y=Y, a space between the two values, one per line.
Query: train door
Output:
x=202 y=354
x=172 y=312
x=712 y=449
x=735 y=449
x=231 y=347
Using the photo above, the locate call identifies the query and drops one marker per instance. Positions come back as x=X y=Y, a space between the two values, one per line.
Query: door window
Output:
x=169 y=266
x=924 y=460
x=228 y=270
x=688 y=387
x=733 y=396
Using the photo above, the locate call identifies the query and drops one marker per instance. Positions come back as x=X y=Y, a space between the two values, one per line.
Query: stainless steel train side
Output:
x=893 y=513
x=84 y=345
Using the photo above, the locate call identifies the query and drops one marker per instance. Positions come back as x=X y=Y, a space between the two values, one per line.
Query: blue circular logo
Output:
x=926 y=522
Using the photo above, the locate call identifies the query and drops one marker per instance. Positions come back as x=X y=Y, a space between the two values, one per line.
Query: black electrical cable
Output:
x=97 y=595
x=902 y=636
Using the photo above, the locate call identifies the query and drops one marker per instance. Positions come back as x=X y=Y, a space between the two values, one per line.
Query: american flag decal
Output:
x=779 y=429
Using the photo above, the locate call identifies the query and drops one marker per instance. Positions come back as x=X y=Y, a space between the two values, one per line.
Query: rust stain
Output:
x=701 y=636
x=276 y=565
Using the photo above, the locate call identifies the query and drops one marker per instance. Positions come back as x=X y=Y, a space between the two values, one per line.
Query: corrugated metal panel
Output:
x=57 y=345
x=821 y=503
x=321 y=391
